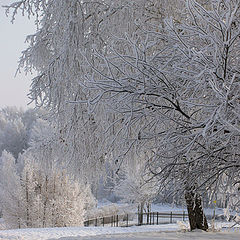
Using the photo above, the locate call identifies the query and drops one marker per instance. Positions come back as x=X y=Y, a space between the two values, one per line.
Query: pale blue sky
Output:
x=13 y=90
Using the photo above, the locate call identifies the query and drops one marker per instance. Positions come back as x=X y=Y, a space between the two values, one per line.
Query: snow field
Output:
x=161 y=232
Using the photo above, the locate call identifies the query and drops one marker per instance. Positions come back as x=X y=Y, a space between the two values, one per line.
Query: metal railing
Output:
x=113 y=221
x=126 y=220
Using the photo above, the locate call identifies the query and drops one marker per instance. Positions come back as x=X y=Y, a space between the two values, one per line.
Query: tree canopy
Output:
x=157 y=78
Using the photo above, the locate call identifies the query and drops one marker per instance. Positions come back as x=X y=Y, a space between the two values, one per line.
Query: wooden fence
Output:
x=126 y=220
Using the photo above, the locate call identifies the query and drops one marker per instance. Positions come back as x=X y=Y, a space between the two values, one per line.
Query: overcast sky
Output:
x=13 y=90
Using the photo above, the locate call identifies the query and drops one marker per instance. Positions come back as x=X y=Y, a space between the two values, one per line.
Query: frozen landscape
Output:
x=177 y=231
x=136 y=122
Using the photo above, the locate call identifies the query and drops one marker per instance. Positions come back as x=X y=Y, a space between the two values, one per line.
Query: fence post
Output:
x=157 y=218
x=117 y=220
x=96 y=222
x=138 y=214
x=150 y=218
x=183 y=215
x=103 y=221
x=127 y=220
x=111 y=221
x=171 y=217
x=140 y=218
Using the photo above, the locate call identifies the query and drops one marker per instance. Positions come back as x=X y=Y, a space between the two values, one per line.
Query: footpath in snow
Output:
x=160 y=232
x=165 y=236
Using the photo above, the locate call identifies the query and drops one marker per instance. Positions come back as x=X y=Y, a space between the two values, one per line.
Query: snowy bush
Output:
x=183 y=226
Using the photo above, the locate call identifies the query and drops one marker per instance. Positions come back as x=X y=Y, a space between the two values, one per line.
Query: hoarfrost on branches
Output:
x=15 y=128
x=168 y=88
x=67 y=29
x=37 y=197
x=178 y=90
x=133 y=185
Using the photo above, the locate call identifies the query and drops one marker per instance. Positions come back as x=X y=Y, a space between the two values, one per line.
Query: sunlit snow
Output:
x=162 y=232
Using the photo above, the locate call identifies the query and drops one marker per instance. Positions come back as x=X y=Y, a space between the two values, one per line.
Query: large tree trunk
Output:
x=197 y=218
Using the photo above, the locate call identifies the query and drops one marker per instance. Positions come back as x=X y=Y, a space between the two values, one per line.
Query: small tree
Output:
x=11 y=192
x=134 y=187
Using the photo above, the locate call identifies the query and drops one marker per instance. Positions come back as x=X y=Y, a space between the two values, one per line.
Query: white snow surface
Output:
x=59 y=233
x=161 y=232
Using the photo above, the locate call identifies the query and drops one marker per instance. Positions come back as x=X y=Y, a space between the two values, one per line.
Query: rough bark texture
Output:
x=197 y=218
x=140 y=213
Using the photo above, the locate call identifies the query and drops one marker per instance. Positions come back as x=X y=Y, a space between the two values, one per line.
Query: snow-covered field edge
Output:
x=223 y=232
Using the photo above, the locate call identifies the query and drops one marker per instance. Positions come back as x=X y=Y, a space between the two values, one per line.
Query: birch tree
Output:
x=11 y=194
x=66 y=29
x=169 y=88
x=177 y=92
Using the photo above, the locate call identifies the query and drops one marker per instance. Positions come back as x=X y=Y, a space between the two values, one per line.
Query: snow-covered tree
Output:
x=179 y=102
x=169 y=88
x=39 y=198
x=15 y=127
x=10 y=197
x=67 y=31
x=134 y=186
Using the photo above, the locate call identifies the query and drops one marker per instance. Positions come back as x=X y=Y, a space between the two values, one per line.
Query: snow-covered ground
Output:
x=77 y=232
x=165 y=236
x=161 y=232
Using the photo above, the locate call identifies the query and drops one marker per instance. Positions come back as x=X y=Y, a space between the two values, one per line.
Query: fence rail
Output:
x=126 y=220
x=113 y=221
x=153 y=218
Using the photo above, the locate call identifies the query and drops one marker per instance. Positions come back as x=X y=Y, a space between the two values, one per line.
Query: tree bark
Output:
x=140 y=213
x=197 y=218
